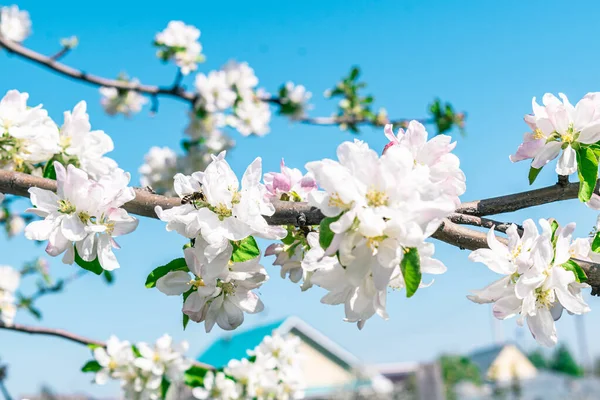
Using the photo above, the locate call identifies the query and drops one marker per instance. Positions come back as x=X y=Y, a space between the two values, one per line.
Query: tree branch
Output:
x=175 y=90
x=34 y=330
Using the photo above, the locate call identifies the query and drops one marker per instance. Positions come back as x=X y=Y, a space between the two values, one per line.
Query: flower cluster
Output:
x=9 y=282
x=119 y=101
x=142 y=369
x=232 y=87
x=219 y=217
x=380 y=211
x=83 y=217
x=294 y=100
x=15 y=24
x=541 y=277
x=272 y=371
x=180 y=42
x=30 y=140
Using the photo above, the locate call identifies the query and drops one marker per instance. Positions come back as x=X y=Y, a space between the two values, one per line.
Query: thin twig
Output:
x=61 y=53
x=60 y=333
x=4 y=390
x=174 y=91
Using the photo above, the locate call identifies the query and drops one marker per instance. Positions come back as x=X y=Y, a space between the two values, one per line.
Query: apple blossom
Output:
x=241 y=76
x=118 y=101
x=539 y=277
x=559 y=126
x=28 y=135
x=252 y=116
x=215 y=91
x=9 y=282
x=164 y=358
x=294 y=99
x=84 y=215
x=15 y=24
x=180 y=42
x=289 y=184
x=216 y=386
x=158 y=170
x=115 y=360
x=84 y=147
x=15 y=225
x=227 y=212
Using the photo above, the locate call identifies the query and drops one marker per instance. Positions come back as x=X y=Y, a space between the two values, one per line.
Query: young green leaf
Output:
x=325 y=233
x=91 y=366
x=554 y=226
x=194 y=376
x=93 y=346
x=579 y=273
x=92 y=266
x=164 y=388
x=49 y=171
x=587 y=169
x=244 y=250
x=411 y=270
x=596 y=243
x=533 y=174
x=108 y=277
x=177 y=264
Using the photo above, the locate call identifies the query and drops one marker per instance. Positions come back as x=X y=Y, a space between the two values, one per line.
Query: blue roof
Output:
x=235 y=346
x=485 y=358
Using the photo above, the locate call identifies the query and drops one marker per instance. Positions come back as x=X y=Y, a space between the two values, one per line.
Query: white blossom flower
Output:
x=180 y=42
x=158 y=169
x=228 y=211
x=15 y=24
x=118 y=101
x=83 y=212
x=252 y=116
x=289 y=184
x=30 y=136
x=205 y=126
x=16 y=225
x=385 y=206
x=9 y=282
x=215 y=92
x=557 y=126
x=539 y=279
x=241 y=76
x=434 y=155
x=87 y=146
x=115 y=360
x=164 y=358
x=216 y=387
x=294 y=100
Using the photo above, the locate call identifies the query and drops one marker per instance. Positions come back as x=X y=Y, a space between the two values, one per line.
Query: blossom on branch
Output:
x=15 y=24
x=180 y=42
x=83 y=217
x=380 y=211
x=289 y=184
x=121 y=101
x=9 y=282
x=540 y=277
x=158 y=169
x=216 y=93
x=27 y=135
x=294 y=100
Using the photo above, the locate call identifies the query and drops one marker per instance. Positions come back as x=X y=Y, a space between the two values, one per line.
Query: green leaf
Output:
x=108 y=277
x=579 y=273
x=49 y=171
x=587 y=169
x=354 y=73
x=194 y=376
x=596 y=243
x=164 y=387
x=35 y=312
x=93 y=346
x=244 y=250
x=325 y=233
x=186 y=318
x=91 y=366
x=92 y=266
x=136 y=351
x=554 y=226
x=533 y=174
x=289 y=239
x=177 y=264
x=411 y=270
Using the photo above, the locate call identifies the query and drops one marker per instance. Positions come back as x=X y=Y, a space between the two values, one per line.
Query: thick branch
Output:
x=518 y=201
x=35 y=330
x=175 y=90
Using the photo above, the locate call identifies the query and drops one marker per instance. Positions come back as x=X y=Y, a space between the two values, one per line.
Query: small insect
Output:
x=193 y=198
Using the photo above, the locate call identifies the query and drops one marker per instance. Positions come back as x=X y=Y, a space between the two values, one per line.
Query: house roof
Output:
x=485 y=357
x=236 y=345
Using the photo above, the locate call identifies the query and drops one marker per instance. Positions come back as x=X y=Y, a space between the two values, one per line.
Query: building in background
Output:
x=503 y=363
x=328 y=368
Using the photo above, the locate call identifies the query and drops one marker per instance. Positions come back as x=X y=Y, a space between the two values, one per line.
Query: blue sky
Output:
x=489 y=60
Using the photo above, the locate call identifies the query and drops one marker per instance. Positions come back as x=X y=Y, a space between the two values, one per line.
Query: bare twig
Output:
x=35 y=330
x=174 y=91
x=4 y=391
x=61 y=53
